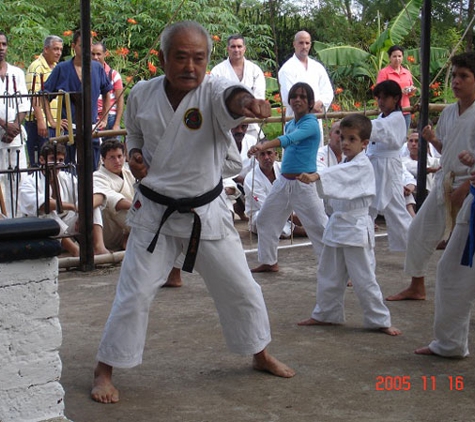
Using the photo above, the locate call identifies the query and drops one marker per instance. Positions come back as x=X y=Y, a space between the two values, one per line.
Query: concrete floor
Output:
x=344 y=373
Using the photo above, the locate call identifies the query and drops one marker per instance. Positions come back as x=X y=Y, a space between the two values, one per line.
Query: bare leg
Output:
x=71 y=246
x=174 y=278
x=263 y=361
x=392 y=331
x=266 y=268
x=98 y=240
x=103 y=391
x=311 y=321
x=416 y=291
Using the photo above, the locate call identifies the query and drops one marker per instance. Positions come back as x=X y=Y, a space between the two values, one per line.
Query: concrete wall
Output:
x=30 y=337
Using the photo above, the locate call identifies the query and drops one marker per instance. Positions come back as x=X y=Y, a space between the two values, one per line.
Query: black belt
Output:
x=183 y=206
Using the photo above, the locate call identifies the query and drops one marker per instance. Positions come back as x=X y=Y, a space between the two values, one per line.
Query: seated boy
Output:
x=348 y=240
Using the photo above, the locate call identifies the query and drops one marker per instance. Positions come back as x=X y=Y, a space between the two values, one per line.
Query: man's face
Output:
x=334 y=142
x=266 y=159
x=185 y=66
x=98 y=53
x=463 y=83
x=239 y=132
x=3 y=47
x=302 y=45
x=114 y=161
x=413 y=143
x=236 y=49
x=51 y=159
x=53 y=52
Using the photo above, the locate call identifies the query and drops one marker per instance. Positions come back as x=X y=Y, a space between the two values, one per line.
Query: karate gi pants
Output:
x=398 y=220
x=425 y=232
x=287 y=196
x=223 y=266
x=454 y=298
x=336 y=267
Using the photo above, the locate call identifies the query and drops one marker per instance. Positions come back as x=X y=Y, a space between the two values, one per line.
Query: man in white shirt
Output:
x=301 y=68
x=238 y=69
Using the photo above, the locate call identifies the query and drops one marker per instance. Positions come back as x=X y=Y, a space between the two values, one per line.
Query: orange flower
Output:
x=435 y=85
x=268 y=74
x=68 y=33
x=93 y=34
x=277 y=97
x=154 y=52
x=129 y=79
x=436 y=94
x=136 y=55
x=132 y=21
x=279 y=110
x=338 y=91
x=151 y=68
x=335 y=107
x=123 y=51
x=357 y=104
x=216 y=38
x=411 y=59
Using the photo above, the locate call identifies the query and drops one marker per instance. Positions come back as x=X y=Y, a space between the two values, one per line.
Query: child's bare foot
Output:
x=407 y=294
x=425 y=351
x=392 y=331
x=311 y=321
x=263 y=361
x=266 y=268
x=103 y=391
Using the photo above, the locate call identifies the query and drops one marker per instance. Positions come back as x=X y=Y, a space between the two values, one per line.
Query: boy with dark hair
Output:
x=348 y=240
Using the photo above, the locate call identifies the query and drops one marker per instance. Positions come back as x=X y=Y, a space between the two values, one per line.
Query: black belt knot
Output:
x=182 y=206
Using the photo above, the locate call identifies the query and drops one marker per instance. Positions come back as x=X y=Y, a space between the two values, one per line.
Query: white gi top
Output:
x=350 y=189
x=293 y=71
x=9 y=109
x=457 y=133
x=113 y=187
x=327 y=158
x=247 y=143
x=387 y=137
x=30 y=189
x=184 y=151
x=253 y=77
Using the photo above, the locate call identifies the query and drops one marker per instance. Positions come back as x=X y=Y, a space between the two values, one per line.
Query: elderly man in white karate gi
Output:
x=178 y=137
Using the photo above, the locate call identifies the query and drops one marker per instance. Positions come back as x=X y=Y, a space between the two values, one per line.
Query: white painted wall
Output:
x=30 y=337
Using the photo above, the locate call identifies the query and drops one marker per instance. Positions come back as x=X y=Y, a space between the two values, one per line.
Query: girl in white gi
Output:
x=349 y=236
x=301 y=141
x=455 y=288
x=387 y=137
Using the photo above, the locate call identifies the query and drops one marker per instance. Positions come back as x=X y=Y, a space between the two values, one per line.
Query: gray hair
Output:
x=169 y=33
x=50 y=39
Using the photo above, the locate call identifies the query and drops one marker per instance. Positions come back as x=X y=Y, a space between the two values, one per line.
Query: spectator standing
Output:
x=67 y=77
x=13 y=109
x=38 y=72
x=237 y=68
x=116 y=94
x=301 y=68
x=396 y=72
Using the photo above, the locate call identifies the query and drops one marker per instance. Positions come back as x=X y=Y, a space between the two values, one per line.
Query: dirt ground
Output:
x=344 y=373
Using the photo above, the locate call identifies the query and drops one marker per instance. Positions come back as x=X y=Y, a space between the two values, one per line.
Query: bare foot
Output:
x=103 y=391
x=263 y=361
x=266 y=268
x=101 y=251
x=349 y=284
x=425 y=351
x=392 y=331
x=312 y=321
x=174 y=278
x=408 y=294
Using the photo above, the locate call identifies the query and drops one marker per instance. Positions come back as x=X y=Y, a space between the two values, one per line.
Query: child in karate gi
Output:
x=349 y=236
x=301 y=141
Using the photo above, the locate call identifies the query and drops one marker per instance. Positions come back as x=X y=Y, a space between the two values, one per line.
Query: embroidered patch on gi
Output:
x=137 y=204
x=193 y=118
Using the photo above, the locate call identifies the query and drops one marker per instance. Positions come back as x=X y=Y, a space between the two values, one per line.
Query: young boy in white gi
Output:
x=455 y=288
x=348 y=240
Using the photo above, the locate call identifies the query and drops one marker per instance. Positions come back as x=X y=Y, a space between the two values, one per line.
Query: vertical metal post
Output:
x=84 y=145
x=424 y=103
